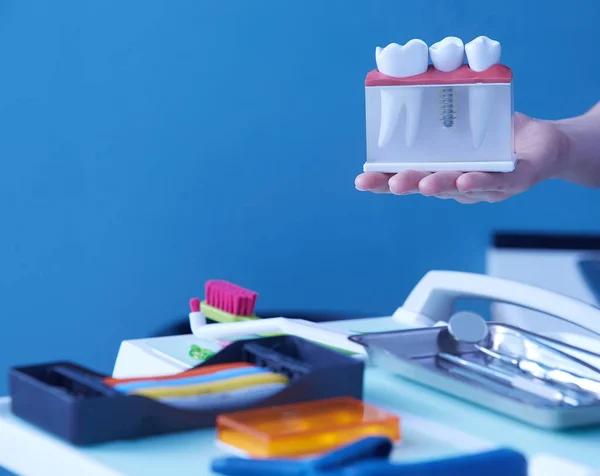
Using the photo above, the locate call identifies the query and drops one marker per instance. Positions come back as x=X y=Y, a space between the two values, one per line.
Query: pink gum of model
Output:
x=497 y=73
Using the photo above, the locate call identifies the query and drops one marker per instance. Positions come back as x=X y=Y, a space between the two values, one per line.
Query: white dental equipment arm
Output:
x=432 y=300
x=295 y=327
x=430 y=303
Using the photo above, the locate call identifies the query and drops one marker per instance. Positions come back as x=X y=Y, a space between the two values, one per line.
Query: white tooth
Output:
x=448 y=54
x=482 y=53
x=401 y=61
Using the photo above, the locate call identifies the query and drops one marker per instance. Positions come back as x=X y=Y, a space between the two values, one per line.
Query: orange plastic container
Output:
x=306 y=428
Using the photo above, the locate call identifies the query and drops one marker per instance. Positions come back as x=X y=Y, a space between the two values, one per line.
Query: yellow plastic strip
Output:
x=212 y=387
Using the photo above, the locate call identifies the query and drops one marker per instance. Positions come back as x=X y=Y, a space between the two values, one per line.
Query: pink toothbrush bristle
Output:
x=238 y=304
x=230 y=297
x=195 y=305
x=208 y=291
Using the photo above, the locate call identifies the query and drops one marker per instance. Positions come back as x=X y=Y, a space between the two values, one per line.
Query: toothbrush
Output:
x=233 y=308
x=228 y=302
x=195 y=314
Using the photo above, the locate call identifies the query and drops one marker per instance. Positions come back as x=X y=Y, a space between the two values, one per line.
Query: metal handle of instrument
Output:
x=516 y=381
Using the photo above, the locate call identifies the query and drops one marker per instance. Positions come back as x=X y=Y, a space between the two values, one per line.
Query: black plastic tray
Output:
x=84 y=411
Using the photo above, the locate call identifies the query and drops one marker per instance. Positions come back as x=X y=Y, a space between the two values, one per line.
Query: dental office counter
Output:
x=433 y=425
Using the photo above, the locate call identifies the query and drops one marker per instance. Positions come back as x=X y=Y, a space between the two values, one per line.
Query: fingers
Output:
x=467 y=188
x=399 y=184
x=513 y=182
x=439 y=183
x=480 y=181
x=406 y=182
x=373 y=182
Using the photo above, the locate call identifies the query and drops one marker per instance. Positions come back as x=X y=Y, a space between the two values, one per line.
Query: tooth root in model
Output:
x=482 y=53
x=401 y=61
x=395 y=100
x=481 y=104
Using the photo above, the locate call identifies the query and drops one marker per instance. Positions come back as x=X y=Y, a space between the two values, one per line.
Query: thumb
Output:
x=521 y=120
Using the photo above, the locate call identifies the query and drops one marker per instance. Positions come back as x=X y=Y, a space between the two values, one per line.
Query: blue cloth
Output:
x=370 y=457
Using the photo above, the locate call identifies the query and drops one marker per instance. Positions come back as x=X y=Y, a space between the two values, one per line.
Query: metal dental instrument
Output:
x=471 y=328
x=516 y=381
x=547 y=373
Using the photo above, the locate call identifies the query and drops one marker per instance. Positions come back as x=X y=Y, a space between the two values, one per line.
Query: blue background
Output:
x=147 y=146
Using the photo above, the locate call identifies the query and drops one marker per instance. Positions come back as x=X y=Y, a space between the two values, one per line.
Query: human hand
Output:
x=539 y=145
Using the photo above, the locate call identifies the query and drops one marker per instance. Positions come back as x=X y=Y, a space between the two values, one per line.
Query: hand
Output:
x=540 y=146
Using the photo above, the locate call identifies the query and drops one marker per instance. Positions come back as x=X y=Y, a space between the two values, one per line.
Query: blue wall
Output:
x=148 y=146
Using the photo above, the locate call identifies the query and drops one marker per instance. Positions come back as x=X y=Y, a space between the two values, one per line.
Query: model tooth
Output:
x=482 y=53
x=401 y=61
x=448 y=54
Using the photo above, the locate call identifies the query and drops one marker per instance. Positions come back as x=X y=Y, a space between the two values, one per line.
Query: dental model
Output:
x=401 y=62
x=445 y=116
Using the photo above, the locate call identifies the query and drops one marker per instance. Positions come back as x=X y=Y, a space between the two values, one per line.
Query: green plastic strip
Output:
x=218 y=315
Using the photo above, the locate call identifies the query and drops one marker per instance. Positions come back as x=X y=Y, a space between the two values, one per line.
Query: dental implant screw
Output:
x=447 y=107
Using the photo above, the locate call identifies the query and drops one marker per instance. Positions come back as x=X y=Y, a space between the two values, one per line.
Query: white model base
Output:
x=472 y=131
x=395 y=167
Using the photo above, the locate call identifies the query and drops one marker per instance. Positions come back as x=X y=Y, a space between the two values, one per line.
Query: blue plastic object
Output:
x=591 y=274
x=73 y=403
x=370 y=457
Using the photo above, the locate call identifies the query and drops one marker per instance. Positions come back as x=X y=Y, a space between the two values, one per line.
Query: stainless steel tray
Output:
x=411 y=354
